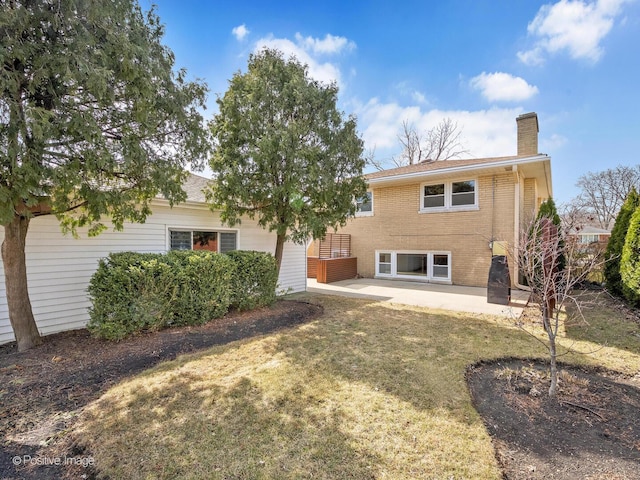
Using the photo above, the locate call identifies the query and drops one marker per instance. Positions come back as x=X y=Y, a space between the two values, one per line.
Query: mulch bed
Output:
x=591 y=431
x=42 y=390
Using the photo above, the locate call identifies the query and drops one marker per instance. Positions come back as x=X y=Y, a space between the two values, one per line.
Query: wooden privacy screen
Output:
x=334 y=245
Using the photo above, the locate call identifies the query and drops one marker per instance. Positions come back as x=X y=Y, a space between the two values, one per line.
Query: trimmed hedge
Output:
x=131 y=292
x=255 y=279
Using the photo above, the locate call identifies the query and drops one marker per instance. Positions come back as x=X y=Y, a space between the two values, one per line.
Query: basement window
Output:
x=414 y=265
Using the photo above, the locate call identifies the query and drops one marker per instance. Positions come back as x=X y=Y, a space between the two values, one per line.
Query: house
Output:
x=442 y=221
x=587 y=235
x=59 y=267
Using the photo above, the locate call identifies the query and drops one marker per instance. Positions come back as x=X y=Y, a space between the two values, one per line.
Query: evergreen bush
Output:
x=630 y=261
x=254 y=280
x=613 y=253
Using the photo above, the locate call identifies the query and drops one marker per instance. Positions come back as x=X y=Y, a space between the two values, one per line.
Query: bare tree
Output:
x=575 y=217
x=541 y=252
x=369 y=156
x=442 y=142
x=603 y=193
x=410 y=140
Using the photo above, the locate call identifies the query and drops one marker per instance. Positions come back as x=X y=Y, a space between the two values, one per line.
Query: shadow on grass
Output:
x=417 y=355
x=199 y=430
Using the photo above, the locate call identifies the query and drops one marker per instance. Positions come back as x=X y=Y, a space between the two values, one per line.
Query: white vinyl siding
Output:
x=59 y=267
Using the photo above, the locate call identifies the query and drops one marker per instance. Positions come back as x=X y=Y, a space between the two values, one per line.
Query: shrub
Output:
x=630 y=261
x=613 y=252
x=549 y=210
x=119 y=290
x=131 y=292
x=254 y=280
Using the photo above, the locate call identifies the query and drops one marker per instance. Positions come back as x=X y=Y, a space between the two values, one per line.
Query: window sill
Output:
x=412 y=278
x=364 y=214
x=469 y=208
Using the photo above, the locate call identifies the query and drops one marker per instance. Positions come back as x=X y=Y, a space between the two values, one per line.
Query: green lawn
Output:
x=369 y=390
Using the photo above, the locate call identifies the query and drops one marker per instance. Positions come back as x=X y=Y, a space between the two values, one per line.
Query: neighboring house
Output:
x=59 y=267
x=442 y=221
x=588 y=235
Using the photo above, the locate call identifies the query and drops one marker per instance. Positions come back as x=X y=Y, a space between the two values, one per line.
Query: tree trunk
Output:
x=279 y=249
x=553 y=388
x=15 y=279
x=553 y=369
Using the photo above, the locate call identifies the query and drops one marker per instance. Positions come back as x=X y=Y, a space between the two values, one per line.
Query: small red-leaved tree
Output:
x=554 y=269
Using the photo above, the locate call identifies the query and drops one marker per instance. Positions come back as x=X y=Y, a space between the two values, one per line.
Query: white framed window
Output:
x=383 y=263
x=433 y=196
x=415 y=265
x=211 y=240
x=586 y=239
x=449 y=196
x=364 y=205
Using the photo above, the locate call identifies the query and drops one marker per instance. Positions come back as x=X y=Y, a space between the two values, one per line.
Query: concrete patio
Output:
x=445 y=297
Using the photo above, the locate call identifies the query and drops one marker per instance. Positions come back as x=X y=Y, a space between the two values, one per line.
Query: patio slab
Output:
x=444 y=297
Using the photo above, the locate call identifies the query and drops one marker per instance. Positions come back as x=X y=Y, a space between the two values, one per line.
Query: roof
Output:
x=194 y=186
x=435 y=166
x=589 y=230
x=531 y=166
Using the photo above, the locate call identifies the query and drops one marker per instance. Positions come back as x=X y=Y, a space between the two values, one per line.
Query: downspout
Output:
x=493 y=208
x=516 y=232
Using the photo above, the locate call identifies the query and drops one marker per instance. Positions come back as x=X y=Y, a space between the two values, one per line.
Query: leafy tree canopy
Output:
x=284 y=153
x=94 y=118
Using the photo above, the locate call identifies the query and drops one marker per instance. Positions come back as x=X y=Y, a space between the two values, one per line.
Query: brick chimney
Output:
x=528 y=134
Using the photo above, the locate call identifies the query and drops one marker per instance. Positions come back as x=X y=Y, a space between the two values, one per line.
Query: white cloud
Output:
x=552 y=143
x=485 y=133
x=404 y=89
x=575 y=26
x=419 y=97
x=329 y=45
x=307 y=49
x=240 y=32
x=500 y=86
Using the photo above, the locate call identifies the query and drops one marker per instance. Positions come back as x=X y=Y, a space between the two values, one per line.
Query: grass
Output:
x=369 y=390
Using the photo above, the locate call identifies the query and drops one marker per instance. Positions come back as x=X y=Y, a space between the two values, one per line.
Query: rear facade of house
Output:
x=443 y=221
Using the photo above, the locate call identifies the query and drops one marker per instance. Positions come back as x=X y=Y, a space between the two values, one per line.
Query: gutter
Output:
x=516 y=232
x=461 y=168
x=186 y=204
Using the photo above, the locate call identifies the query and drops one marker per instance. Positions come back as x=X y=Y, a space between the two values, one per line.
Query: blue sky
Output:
x=478 y=62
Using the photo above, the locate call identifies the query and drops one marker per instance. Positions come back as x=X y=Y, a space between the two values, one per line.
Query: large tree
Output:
x=284 y=153
x=94 y=122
